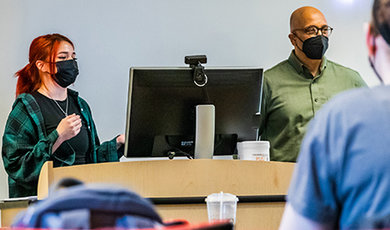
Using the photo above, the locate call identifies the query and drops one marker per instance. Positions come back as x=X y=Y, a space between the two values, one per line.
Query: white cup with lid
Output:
x=221 y=206
x=253 y=150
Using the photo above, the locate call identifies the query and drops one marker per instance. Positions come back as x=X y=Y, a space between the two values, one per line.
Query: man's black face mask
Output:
x=315 y=47
x=67 y=72
x=384 y=30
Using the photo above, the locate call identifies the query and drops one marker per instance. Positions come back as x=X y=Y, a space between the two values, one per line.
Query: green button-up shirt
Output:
x=291 y=97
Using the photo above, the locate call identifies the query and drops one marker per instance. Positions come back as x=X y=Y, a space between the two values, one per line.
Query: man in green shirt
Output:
x=295 y=89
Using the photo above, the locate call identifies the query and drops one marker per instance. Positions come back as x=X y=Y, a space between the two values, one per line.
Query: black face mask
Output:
x=67 y=72
x=384 y=30
x=315 y=47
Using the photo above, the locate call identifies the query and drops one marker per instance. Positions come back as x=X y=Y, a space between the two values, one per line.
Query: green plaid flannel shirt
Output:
x=27 y=146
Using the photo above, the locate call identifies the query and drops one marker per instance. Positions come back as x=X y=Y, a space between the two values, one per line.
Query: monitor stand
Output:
x=204 y=131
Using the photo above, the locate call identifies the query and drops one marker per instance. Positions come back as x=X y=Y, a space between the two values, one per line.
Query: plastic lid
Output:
x=224 y=197
x=253 y=143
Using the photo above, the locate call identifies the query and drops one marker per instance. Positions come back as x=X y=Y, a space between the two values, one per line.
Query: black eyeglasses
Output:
x=313 y=30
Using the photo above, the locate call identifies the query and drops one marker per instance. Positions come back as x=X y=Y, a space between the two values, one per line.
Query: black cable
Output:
x=172 y=153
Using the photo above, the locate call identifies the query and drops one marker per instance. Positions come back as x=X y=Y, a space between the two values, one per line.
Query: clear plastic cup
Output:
x=221 y=206
x=253 y=150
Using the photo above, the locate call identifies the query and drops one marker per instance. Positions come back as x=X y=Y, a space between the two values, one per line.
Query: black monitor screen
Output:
x=161 y=109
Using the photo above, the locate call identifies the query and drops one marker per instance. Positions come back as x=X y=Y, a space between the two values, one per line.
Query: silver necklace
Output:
x=66 y=114
x=66 y=109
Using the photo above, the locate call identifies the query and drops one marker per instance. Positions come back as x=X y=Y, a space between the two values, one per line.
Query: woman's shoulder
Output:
x=23 y=109
x=24 y=96
x=83 y=103
x=24 y=99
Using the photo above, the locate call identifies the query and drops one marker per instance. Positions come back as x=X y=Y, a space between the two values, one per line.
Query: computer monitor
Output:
x=161 y=109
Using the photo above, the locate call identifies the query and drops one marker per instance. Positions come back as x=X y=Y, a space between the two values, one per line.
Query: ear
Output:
x=39 y=64
x=370 y=40
x=292 y=40
x=42 y=66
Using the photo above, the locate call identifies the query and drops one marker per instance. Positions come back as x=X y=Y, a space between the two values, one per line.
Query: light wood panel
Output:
x=249 y=215
x=8 y=215
x=179 y=178
x=190 y=178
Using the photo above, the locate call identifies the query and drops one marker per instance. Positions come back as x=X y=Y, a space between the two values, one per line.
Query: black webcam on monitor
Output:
x=195 y=59
x=195 y=62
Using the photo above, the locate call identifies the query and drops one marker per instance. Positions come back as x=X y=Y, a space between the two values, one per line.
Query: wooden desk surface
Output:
x=9 y=208
x=179 y=178
x=186 y=178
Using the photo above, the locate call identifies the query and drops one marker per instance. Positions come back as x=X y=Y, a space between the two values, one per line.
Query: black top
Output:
x=52 y=115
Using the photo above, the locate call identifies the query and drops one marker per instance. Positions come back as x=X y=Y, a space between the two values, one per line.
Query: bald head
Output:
x=306 y=16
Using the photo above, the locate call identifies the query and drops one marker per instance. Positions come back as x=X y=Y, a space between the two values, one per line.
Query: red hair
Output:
x=42 y=48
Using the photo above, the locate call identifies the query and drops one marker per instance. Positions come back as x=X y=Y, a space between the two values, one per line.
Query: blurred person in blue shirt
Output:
x=342 y=178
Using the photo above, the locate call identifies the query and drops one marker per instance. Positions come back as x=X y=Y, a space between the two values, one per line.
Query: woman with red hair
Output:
x=48 y=121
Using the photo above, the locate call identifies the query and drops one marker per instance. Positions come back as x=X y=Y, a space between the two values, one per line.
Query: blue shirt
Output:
x=343 y=172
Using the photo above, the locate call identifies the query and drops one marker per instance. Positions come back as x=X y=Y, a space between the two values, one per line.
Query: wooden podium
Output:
x=178 y=187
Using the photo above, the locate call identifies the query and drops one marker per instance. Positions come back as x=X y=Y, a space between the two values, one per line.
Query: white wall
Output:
x=111 y=36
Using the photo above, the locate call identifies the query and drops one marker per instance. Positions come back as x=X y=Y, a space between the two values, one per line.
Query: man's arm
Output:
x=293 y=220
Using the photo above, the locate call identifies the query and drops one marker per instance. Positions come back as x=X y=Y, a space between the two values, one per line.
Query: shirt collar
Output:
x=73 y=93
x=299 y=67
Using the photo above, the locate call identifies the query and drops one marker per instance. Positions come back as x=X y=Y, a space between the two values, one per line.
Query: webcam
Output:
x=195 y=59
x=195 y=62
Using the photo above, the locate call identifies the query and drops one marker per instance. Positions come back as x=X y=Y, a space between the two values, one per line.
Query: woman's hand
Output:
x=120 y=140
x=68 y=127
